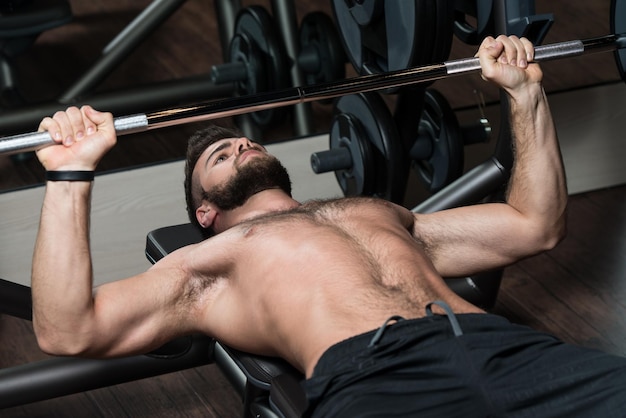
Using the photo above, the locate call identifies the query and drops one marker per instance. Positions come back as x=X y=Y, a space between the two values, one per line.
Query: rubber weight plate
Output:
x=355 y=178
x=437 y=152
x=480 y=13
x=256 y=43
x=322 y=57
x=444 y=31
x=363 y=124
x=381 y=36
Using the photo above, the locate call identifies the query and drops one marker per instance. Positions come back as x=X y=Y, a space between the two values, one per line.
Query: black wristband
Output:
x=69 y=175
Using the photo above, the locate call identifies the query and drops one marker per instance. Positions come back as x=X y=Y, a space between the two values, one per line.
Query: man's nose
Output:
x=242 y=144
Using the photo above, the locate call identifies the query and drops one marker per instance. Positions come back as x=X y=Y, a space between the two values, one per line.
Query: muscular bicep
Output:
x=171 y=299
x=141 y=313
x=137 y=314
x=472 y=239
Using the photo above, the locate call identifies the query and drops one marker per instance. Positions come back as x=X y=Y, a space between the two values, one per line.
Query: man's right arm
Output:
x=69 y=317
x=471 y=239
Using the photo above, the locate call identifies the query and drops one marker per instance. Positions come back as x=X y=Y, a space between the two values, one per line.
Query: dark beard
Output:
x=261 y=173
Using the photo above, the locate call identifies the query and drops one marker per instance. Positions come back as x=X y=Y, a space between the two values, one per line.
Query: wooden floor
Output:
x=577 y=291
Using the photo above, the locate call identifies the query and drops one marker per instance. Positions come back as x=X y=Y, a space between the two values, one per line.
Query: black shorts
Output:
x=495 y=368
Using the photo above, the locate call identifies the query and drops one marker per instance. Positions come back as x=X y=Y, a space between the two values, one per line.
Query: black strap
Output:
x=69 y=175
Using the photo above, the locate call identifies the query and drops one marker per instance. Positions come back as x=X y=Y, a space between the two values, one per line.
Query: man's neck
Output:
x=267 y=201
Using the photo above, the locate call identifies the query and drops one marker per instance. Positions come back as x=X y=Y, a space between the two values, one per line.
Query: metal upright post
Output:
x=285 y=16
x=226 y=12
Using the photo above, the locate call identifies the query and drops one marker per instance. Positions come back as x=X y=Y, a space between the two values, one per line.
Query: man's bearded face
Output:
x=260 y=173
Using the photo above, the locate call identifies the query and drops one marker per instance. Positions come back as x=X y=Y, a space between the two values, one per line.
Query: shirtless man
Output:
x=314 y=283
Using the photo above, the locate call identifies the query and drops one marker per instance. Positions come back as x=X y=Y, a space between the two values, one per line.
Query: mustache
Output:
x=253 y=147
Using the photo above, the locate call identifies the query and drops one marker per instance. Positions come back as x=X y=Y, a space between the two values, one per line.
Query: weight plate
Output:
x=618 y=26
x=254 y=33
x=246 y=51
x=437 y=153
x=381 y=36
x=424 y=33
x=322 y=57
x=444 y=31
x=383 y=174
x=480 y=13
x=347 y=132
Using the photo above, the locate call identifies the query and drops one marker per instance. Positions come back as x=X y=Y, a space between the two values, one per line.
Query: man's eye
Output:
x=220 y=159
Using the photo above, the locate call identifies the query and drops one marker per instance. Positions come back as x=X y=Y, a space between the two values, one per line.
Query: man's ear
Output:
x=206 y=214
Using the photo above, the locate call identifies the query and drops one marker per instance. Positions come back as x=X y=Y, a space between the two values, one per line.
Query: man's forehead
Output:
x=219 y=142
x=222 y=141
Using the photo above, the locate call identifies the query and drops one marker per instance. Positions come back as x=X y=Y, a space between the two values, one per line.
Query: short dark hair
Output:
x=196 y=145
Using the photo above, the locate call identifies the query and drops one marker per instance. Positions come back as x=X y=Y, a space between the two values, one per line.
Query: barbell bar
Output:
x=233 y=106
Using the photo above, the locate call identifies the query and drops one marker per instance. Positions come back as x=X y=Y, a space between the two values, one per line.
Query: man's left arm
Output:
x=476 y=238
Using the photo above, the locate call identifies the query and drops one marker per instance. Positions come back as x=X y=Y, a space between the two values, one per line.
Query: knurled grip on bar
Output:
x=37 y=140
x=542 y=53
